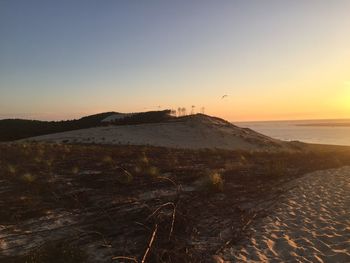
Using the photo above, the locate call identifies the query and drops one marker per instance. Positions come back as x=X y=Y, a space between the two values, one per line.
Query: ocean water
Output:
x=335 y=132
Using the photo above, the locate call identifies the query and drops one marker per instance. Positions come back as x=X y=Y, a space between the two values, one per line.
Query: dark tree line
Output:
x=145 y=117
x=15 y=129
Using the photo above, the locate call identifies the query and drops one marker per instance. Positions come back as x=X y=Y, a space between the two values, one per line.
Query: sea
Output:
x=333 y=132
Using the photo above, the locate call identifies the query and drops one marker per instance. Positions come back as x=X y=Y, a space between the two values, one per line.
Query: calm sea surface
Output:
x=330 y=133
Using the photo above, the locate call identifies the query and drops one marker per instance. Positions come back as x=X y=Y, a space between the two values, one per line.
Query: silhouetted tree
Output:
x=192 y=109
x=179 y=111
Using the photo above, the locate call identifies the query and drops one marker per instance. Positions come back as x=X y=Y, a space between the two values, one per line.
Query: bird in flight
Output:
x=225 y=96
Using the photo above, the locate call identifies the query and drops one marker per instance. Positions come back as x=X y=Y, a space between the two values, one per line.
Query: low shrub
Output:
x=213 y=182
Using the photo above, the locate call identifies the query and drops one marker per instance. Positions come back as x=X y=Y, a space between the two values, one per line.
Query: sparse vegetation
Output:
x=212 y=182
x=118 y=196
x=52 y=252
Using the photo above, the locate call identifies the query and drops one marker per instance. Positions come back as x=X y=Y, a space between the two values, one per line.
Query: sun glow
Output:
x=344 y=99
x=347 y=94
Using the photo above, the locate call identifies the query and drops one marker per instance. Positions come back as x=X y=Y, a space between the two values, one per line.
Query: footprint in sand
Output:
x=312 y=224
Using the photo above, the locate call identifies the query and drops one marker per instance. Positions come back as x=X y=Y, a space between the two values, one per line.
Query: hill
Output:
x=192 y=132
x=14 y=129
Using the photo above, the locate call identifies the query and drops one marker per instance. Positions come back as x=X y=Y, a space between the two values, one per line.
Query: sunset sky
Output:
x=275 y=59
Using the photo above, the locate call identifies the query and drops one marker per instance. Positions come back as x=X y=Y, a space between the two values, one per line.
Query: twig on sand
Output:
x=150 y=244
x=124 y=170
x=143 y=225
x=127 y=258
x=168 y=179
x=249 y=222
x=105 y=242
x=178 y=186
x=161 y=207
x=172 y=222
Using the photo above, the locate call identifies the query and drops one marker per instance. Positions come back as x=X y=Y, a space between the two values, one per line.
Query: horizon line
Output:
x=82 y=115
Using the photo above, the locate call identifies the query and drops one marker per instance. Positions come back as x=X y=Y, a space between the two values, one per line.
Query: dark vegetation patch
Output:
x=14 y=129
x=145 y=117
x=52 y=252
x=127 y=203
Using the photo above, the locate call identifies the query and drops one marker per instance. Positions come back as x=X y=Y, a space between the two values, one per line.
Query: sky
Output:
x=275 y=59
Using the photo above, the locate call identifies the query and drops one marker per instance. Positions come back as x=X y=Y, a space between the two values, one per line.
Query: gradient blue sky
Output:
x=275 y=59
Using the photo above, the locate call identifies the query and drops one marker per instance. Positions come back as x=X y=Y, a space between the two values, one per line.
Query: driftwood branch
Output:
x=150 y=244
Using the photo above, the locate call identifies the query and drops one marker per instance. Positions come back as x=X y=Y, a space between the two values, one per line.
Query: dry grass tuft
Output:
x=28 y=178
x=212 y=182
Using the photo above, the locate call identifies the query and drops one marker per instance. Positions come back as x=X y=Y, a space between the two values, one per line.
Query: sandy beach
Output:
x=310 y=224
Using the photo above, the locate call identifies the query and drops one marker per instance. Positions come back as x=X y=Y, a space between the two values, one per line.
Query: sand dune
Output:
x=193 y=132
x=311 y=224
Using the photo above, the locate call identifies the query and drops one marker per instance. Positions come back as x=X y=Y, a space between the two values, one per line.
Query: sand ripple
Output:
x=312 y=224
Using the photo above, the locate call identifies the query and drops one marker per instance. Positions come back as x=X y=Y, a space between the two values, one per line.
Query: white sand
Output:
x=117 y=116
x=195 y=132
x=312 y=224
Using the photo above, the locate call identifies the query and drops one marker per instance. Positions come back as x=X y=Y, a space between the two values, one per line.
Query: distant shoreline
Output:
x=300 y=121
x=331 y=132
x=324 y=124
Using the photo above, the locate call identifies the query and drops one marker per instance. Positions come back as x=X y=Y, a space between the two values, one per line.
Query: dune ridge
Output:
x=192 y=132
